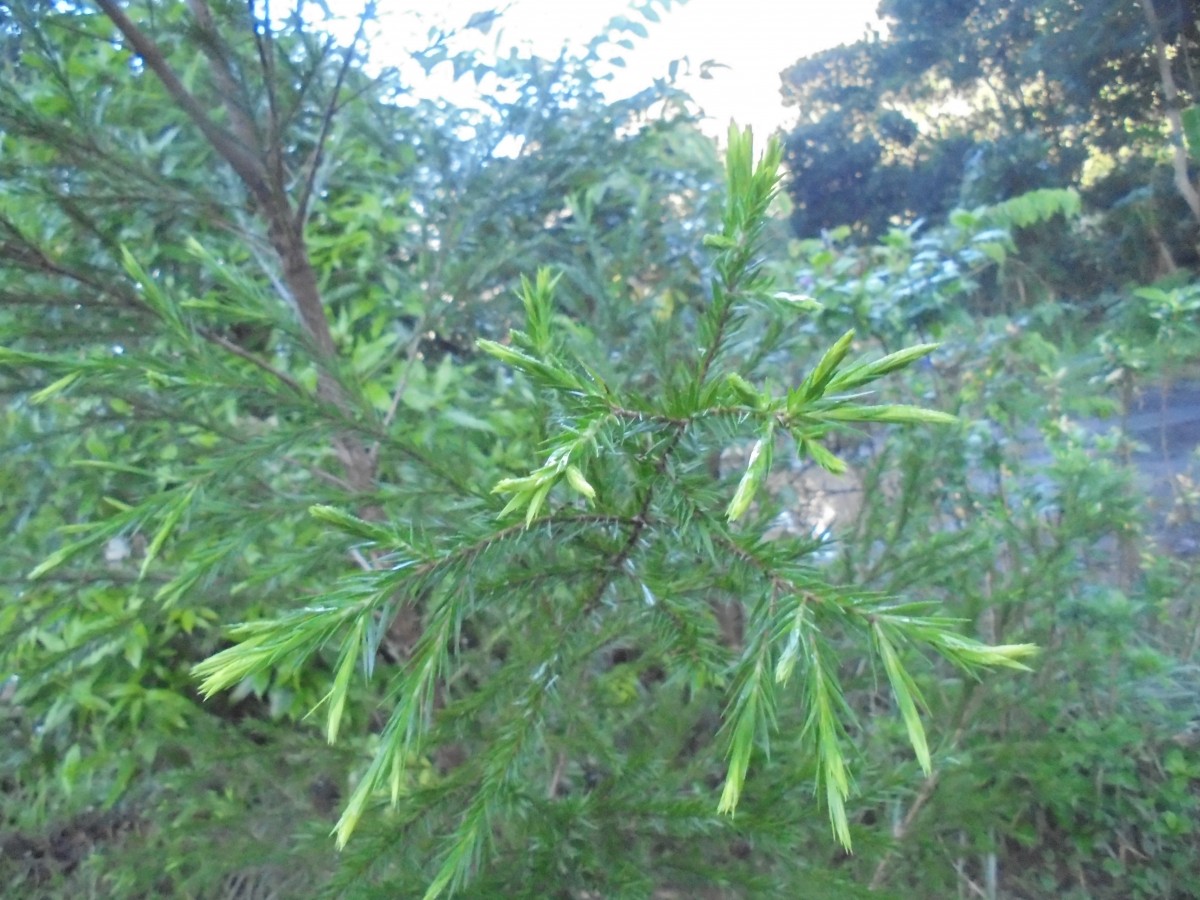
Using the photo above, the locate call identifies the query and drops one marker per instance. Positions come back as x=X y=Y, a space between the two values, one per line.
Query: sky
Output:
x=756 y=39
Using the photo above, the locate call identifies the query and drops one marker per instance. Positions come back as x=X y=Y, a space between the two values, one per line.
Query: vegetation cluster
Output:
x=413 y=500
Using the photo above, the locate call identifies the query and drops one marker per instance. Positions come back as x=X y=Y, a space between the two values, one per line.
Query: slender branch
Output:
x=298 y=276
x=321 y=474
x=463 y=554
x=302 y=79
x=414 y=347
x=234 y=152
x=560 y=768
x=924 y=794
x=284 y=233
x=265 y=44
x=226 y=344
x=231 y=89
x=327 y=118
x=637 y=416
x=361 y=561
x=26 y=254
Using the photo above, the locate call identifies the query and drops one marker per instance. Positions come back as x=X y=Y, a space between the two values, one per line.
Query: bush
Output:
x=548 y=642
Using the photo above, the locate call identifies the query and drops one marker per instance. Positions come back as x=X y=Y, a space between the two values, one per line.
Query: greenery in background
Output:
x=503 y=566
x=968 y=102
x=1082 y=782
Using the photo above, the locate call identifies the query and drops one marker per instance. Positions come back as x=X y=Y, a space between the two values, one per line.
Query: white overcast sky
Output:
x=757 y=39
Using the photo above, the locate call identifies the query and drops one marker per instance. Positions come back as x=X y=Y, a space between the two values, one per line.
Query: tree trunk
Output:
x=1183 y=181
x=240 y=146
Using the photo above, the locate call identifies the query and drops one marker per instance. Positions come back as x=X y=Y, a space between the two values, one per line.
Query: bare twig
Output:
x=264 y=42
x=320 y=474
x=233 y=93
x=225 y=344
x=414 y=348
x=560 y=768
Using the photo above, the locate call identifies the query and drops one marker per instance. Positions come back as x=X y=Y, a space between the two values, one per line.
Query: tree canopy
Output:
x=969 y=103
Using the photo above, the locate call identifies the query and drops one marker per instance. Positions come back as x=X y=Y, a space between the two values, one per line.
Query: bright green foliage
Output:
x=634 y=457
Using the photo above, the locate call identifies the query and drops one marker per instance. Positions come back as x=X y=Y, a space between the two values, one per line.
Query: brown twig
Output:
x=225 y=344
x=265 y=45
x=233 y=93
x=560 y=768
x=411 y=354
x=239 y=156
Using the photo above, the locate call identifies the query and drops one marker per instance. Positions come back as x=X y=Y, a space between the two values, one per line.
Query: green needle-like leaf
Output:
x=908 y=698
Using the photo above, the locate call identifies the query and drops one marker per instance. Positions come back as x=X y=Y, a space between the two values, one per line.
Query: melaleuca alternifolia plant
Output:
x=621 y=531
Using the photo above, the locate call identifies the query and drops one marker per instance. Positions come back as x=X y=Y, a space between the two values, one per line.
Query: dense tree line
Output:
x=959 y=104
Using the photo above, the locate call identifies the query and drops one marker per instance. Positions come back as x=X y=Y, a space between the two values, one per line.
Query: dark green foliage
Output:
x=970 y=103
